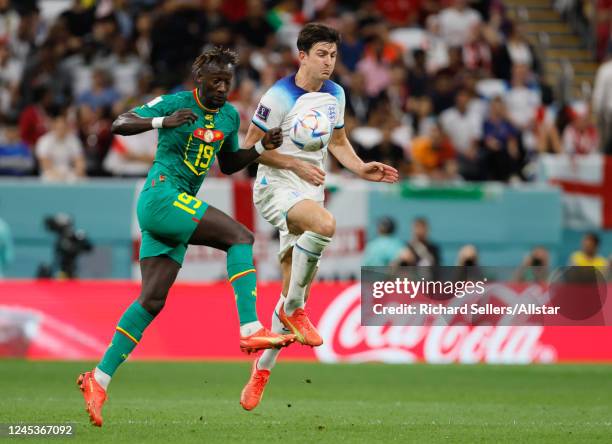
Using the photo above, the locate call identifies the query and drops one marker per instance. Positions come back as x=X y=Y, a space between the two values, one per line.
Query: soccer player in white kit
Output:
x=288 y=190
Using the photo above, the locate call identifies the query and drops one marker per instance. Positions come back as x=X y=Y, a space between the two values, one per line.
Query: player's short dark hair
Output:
x=214 y=56
x=314 y=33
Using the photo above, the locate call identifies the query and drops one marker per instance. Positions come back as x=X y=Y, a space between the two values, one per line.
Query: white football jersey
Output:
x=280 y=105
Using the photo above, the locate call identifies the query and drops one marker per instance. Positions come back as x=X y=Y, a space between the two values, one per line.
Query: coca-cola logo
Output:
x=348 y=341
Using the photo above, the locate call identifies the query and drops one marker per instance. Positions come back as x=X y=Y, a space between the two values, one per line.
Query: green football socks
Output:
x=241 y=273
x=127 y=335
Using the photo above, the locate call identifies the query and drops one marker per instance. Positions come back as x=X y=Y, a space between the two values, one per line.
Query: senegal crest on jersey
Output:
x=208 y=135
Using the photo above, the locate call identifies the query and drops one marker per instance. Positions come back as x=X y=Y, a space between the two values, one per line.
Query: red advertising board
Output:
x=75 y=320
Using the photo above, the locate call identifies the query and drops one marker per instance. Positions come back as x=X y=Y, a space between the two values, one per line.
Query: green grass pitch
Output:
x=198 y=402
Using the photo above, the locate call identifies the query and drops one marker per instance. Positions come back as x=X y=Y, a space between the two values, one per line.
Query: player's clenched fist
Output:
x=273 y=139
x=179 y=118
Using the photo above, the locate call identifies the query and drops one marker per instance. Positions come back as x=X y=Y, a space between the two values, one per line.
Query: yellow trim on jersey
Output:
x=120 y=330
x=242 y=273
x=197 y=99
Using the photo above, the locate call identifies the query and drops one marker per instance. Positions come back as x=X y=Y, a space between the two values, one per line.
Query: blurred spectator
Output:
x=124 y=66
x=464 y=127
x=80 y=67
x=457 y=21
x=102 y=93
x=456 y=69
x=119 y=9
x=34 y=119
x=375 y=67
x=443 y=91
x=385 y=248
x=602 y=16
x=580 y=136
x=516 y=50
x=180 y=29
x=245 y=103
x=9 y=20
x=351 y=47
x=10 y=75
x=254 y=27
x=386 y=151
x=397 y=91
x=602 y=103
x=399 y=13
x=29 y=30
x=418 y=77
x=15 y=156
x=420 y=110
x=434 y=155
x=467 y=256
x=131 y=156
x=104 y=33
x=548 y=136
x=535 y=266
x=358 y=102
x=477 y=53
x=502 y=155
x=588 y=255
x=59 y=152
x=437 y=48
x=7 y=251
x=94 y=132
x=523 y=98
x=144 y=26
x=44 y=69
x=421 y=247
x=79 y=19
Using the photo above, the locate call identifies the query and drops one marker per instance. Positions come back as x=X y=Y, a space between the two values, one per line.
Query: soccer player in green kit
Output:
x=194 y=128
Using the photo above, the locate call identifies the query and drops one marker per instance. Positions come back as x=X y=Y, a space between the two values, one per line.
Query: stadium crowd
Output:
x=387 y=249
x=437 y=88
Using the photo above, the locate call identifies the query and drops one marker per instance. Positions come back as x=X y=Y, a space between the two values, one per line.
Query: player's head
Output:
x=590 y=243
x=213 y=71
x=420 y=228
x=318 y=46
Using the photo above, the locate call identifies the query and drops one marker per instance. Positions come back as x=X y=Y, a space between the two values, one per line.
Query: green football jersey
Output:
x=185 y=154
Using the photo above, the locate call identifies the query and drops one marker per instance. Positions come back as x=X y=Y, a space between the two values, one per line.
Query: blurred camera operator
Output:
x=535 y=266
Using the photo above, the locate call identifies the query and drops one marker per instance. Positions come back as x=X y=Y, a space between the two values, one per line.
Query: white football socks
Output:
x=268 y=357
x=102 y=378
x=305 y=259
x=249 y=328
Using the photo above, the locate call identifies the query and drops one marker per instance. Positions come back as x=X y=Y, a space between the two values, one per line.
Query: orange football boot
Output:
x=94 y=395
x=254 y=388
x=264 y=338
x=299 y=324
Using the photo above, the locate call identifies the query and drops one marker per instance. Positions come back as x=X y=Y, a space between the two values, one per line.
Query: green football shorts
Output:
x=167 y=217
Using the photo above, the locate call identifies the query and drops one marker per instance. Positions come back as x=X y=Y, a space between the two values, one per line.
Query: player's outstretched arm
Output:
x=131 y=123
x=304 y=170
x=342 y=150
x=232 y=161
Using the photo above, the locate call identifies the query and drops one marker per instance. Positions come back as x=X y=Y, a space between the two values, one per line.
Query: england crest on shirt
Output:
x=331 y=114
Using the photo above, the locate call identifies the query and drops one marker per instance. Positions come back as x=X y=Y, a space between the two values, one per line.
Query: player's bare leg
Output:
x=218 y=230
x=316 y=226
